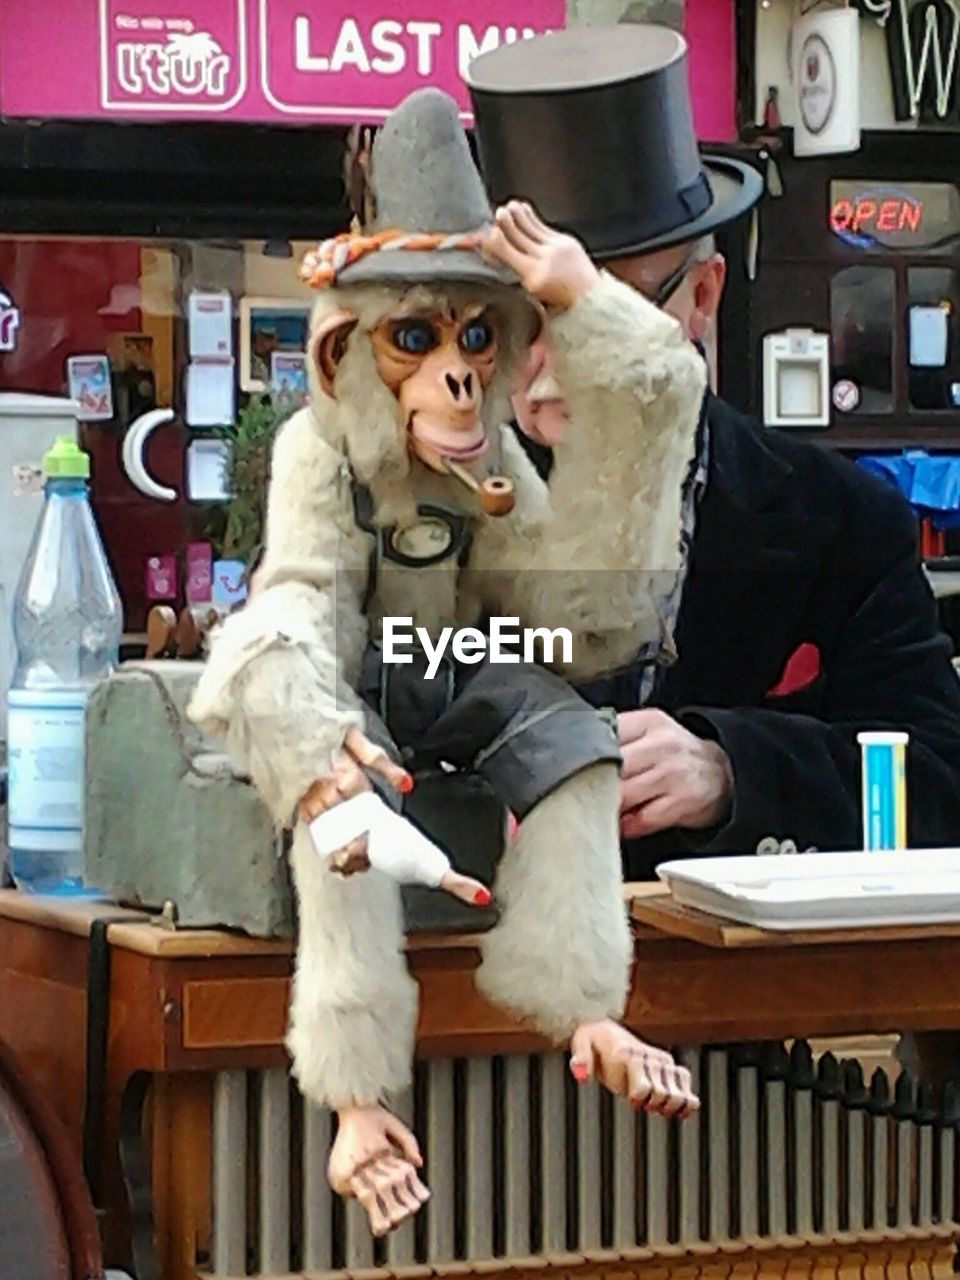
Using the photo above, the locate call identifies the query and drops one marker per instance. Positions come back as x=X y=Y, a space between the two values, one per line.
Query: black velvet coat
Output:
x=796 y=546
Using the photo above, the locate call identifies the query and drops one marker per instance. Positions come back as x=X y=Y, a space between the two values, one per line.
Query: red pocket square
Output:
x=803 y=667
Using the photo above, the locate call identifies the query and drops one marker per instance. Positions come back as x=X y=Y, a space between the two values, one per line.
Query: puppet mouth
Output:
x=459 y=447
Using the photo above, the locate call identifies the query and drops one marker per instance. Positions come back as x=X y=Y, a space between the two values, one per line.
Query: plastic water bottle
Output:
x=67 y=624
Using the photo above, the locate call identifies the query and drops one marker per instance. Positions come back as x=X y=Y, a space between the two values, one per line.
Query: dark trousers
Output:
x=519 y=727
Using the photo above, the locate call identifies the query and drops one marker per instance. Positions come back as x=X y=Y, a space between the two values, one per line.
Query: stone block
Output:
x=167 y=818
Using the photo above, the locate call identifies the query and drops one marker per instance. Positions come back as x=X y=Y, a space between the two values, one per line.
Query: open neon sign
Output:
x=866 y=215
x=870 y=218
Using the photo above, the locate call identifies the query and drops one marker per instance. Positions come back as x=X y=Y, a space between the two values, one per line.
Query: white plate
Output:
x=822 y=890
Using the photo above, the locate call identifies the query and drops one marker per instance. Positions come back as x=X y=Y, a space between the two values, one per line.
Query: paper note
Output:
x=210 y=398
x=210 y=324
x=206 y=471
x=928 y=337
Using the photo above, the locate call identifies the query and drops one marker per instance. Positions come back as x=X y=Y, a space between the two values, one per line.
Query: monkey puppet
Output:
x=415 y=342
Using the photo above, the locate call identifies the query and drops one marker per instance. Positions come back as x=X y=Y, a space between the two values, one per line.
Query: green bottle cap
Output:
x=65 y=460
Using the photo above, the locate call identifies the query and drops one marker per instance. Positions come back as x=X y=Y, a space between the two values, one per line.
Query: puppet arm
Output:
x=276 y=688
x=634 y=386
x=275 y=685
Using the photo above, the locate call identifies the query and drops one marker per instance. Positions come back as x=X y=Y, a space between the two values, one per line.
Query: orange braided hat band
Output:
x=324 y=264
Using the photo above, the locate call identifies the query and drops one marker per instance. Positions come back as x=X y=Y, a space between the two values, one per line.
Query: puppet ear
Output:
x=328 y=342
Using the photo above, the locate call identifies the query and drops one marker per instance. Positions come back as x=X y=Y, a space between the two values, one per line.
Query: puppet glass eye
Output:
x=476 y=337
x=415 y=337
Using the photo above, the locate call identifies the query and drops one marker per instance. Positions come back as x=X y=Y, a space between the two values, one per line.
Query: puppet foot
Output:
x=629 y=1068
x=375 y=1160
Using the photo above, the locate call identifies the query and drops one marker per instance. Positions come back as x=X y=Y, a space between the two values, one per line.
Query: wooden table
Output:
x=183 y=1005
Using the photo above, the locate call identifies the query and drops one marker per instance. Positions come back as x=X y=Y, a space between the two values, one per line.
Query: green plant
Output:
x=249 y=443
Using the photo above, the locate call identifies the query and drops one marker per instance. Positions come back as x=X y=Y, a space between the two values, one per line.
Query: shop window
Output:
x=933 y=338
x=861 y=326
x=125 y=326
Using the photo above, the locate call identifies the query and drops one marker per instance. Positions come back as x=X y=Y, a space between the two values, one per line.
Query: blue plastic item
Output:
x=929 y=482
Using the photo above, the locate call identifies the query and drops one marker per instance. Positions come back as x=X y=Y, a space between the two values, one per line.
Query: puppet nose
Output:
x=461 y=388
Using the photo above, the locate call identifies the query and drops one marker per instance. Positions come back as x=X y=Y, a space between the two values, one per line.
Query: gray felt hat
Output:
x=423 y=180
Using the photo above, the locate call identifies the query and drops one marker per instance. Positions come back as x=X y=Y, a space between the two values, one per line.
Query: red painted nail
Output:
x=406 y=784
x=580 y=1072
x=483 y=897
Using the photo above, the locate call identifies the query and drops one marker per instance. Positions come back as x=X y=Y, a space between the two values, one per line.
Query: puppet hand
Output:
x=466 y=889
x=626 y=1066
x=346 y=779
x=554 y=267
x=375 y=1159
x=671 y=778
x=393 y=845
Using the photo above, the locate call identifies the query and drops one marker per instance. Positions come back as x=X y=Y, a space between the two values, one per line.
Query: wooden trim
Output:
x=669 y=916
x=182 y=1123
x=54 y=913
x=145 y=935
x=148 y=939
x=210 y=1013
x=684 y=993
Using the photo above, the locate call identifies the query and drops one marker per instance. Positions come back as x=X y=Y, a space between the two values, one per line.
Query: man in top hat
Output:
x=802 y=615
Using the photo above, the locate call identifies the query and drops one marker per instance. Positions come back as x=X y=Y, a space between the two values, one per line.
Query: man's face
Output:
x=685 y=288
x=538 y=406
x=681 y=285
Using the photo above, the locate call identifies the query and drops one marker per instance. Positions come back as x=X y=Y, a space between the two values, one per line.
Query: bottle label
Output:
x=45 y=741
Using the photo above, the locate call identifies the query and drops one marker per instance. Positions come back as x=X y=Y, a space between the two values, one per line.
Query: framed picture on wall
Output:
x=269 y=326
x=88 y=382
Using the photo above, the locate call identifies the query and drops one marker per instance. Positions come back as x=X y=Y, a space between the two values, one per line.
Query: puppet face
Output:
x=437 y=360
x=538 y=403
x=438 y=365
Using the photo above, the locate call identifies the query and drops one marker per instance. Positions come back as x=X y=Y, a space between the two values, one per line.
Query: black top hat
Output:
x=594 y=127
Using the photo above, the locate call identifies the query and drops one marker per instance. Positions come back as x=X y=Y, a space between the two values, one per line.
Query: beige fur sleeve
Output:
x=275 y=685
x=635 y=386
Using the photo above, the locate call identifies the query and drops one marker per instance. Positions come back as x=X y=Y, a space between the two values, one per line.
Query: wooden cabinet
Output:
x=205 y=1160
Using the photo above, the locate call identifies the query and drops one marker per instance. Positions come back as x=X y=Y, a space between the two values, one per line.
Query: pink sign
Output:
x=286 y=61
x=709 y=26
x=199 y=572
x=293 y=61
x=161 y=578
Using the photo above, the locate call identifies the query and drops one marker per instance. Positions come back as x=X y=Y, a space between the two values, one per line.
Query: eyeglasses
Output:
x=673 y=281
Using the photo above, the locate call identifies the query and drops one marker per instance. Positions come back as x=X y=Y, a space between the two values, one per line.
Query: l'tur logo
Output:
x=9 y=322
x=165 y=63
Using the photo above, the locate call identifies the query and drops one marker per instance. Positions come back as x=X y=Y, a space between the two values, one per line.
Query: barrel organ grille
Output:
x=522 y=1162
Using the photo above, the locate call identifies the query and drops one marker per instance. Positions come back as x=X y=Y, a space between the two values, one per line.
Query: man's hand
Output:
x=375 y=1159
x=629 y=1068
x=671 y=778
x=347 y=779
x=553 y=267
